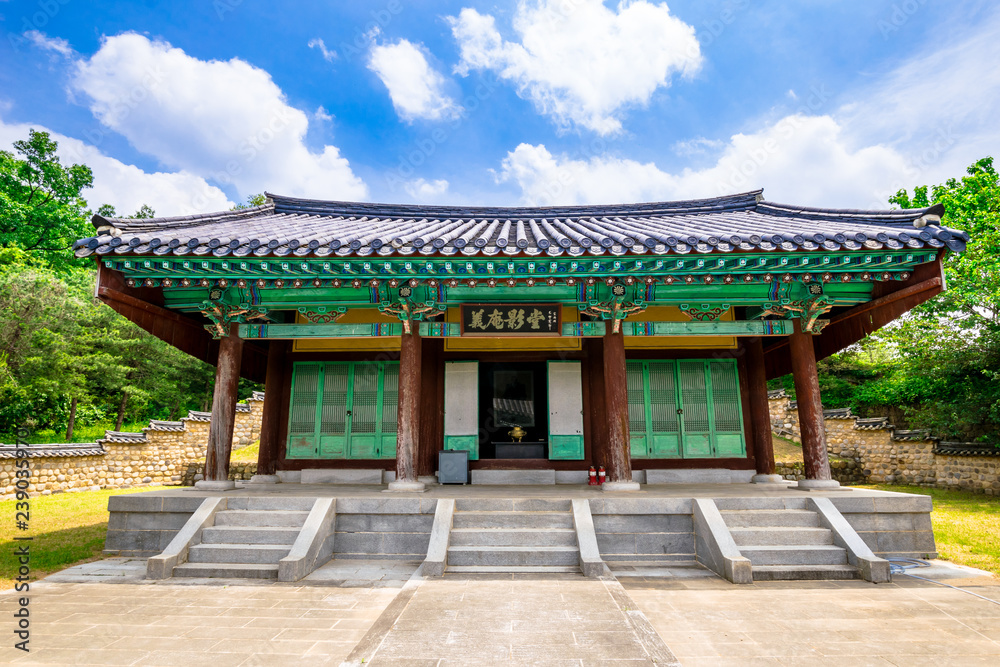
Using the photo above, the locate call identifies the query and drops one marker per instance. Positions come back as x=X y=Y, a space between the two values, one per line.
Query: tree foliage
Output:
x=938 y=367
x=41 y=206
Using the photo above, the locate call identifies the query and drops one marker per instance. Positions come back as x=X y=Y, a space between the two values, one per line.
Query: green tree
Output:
x=41 y=206
x=252 y=200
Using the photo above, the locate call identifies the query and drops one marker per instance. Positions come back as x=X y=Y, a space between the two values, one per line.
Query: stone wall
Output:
x=161 y=454
x=874 y=451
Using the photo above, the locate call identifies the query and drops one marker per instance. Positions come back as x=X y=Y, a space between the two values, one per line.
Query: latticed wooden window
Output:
x=688 y=408
x=343 y=410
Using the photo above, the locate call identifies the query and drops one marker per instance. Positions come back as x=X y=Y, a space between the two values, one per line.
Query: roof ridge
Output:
x=734 y=201
x=138 y=224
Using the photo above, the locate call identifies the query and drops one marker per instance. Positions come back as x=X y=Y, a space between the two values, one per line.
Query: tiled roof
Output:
x=123 y=437
x=36 y=451
x=195 y=416
x=286 y=226
x=157 y=425
x=909 y=435
x=871 y=424
x=966 y=449
x=776 y=393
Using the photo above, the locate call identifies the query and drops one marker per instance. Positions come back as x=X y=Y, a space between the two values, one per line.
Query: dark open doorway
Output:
x=513 y=394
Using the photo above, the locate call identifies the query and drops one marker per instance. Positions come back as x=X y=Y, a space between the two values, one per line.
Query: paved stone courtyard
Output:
x=379 y=613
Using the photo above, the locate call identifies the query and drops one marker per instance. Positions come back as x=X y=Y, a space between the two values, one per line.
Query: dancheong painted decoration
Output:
x=621 y=336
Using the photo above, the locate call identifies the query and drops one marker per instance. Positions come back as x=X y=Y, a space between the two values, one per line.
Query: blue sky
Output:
x=191 y=106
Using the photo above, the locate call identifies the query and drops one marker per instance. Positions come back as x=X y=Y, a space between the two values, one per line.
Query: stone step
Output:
x=250 y=535
x=781 y=536
x=238 y=553
x=762 y=503
x=768 y=518
x=227 y=570
x=818 y=554
x=513 y=537
x=490 y=520
x=513 y=505
x=256 y=518
x=804 y=572
x=512 y=556
x=266 y=503
x=515 y=569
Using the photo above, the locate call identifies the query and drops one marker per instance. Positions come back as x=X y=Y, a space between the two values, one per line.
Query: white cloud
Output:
x=317 y=43
x=578 y=61
x=125 y=186
x=697 y=146
x=322 y=114
x=800 y=159
x=55 y=44
x=225 y=121
x=422 y=190
x=923 y=122
x=416 y=88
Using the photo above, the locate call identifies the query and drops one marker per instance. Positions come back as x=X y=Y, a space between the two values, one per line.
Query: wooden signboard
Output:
x=512 y=319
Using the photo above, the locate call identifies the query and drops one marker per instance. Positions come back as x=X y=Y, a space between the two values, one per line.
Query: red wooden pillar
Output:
x=760 y=412
x=408 y=426
x=267 y=456
x=220 y=429
x=811 y=427
x=617 y=457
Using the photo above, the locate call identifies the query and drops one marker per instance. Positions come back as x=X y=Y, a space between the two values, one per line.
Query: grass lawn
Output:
x=246 y=454
x=966 y=525
x=786 y=451
x=90 y=433
x=68 y=528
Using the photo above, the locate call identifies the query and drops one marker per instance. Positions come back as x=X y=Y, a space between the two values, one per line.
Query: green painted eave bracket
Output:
x=399 y=269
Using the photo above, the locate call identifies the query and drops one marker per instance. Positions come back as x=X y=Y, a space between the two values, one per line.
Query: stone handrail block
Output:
x=437 y=549
x=162 y=566
x=714 y=544
x=586 y=537
x=314 y=545
x=870 y=567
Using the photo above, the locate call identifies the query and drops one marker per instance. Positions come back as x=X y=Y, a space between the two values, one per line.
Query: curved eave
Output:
x=287 y=227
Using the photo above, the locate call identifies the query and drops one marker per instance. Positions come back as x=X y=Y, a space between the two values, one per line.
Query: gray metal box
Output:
x=453 y=466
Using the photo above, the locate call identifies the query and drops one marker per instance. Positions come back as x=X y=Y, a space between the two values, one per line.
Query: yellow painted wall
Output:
x=352 y=316
x=674 y=314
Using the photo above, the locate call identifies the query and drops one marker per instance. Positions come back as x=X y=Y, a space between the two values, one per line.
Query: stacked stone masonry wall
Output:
x=163 y=454
x=871 y=451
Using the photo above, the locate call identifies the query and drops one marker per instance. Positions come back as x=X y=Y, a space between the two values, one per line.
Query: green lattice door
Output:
x=688 y=408
x=343 y=410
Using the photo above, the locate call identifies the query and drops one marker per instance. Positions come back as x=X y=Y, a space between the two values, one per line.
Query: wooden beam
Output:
x=224 y=397
x=181 y=331
x=760 y=415
x=267 y=455
x=849 y=327
x=811 y=425
x=617 y=457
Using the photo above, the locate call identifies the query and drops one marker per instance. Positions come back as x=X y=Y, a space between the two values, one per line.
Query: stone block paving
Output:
x=216 y=625
x=911 y=623
x=550 y=619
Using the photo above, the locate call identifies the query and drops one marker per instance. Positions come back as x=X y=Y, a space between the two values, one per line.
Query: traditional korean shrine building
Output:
x=637 y=337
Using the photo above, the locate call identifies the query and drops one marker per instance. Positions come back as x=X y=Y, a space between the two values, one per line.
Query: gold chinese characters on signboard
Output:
x=516 y=319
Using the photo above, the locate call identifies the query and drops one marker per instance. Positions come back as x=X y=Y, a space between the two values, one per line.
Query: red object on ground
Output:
x=601 y=475
x=592 y=477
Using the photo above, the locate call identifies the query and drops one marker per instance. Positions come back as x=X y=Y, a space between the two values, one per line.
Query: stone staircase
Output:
x=787 y=543
x=519 y=535
x=248 y=539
